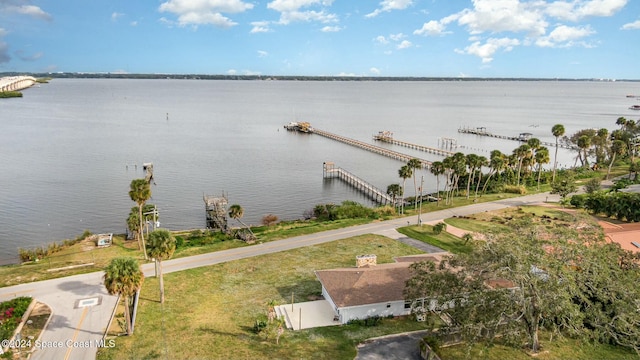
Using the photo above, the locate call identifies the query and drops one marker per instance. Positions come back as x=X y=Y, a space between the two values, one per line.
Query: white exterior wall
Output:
x=396 y=308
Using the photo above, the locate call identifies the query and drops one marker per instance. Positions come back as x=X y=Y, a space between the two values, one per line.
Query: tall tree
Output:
x=481 y=161
x=140 y=192
x=541 y=157
x=557 y=131
x=518 y=281
x=123 y=277
x=437 y=169
x=618 y=147
x=471 y=160
x=404 y=172
x=415 y=164
x=497 y=163
x=394 y=190
x=161 y=246
x=521 y=152
x=584 y=143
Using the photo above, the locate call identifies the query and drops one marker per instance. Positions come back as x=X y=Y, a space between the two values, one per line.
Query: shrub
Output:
x=439 y=227
x=179 y=241
x=269 y=220
x=513 y=189
x=592 y=186
x=370 y=321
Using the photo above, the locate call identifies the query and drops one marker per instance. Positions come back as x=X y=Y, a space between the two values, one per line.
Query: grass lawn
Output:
x=558 y=349
x=209 y=311
x=444 y=240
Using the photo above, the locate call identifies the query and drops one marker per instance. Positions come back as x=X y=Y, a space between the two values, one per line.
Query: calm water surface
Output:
x=68 y=148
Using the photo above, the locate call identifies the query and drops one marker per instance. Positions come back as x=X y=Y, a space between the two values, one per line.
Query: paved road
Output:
x=392 y=347
x=82 y=308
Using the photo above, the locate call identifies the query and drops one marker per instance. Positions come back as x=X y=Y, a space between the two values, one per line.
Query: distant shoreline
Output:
x=106 y=75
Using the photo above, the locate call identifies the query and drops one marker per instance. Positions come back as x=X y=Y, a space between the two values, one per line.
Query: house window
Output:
x=388 y=305
x=407 y=304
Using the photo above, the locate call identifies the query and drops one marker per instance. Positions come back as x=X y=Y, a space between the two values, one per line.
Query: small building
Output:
x=369 y=289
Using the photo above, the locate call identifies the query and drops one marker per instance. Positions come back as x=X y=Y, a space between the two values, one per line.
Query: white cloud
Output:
x=375 y=71
x=346 y=74
x=232 y=72
x=389 y=5
x=431 y=28
x=564 y=36
x=331 y=29
x=202 y=12
x=405 y=44
x=504 y=15
x=307 y=16
x=397 y=37
x=260 y=27
x=295 y=5
x=381 y=40
x=29 y=10
x=116 y=15
x=485 y=51
x=580 y=9
x=290 y=11
x=631 y=26
x=262 y=53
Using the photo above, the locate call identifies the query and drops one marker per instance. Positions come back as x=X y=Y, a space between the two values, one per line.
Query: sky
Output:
x=440 y=38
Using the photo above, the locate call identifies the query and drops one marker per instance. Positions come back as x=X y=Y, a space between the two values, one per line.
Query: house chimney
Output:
x=366 y=260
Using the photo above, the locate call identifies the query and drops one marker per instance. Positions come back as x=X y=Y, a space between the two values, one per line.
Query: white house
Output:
x=369 y=289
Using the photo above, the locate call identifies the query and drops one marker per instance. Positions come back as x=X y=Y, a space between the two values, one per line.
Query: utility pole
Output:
x=420 y=207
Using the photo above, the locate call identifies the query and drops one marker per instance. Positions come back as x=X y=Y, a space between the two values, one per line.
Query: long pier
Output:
x=386 y=136
x=376 y=149
x=522 y=137
x=329 y=170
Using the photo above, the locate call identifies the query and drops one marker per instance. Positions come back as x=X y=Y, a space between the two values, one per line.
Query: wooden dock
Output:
x=522 y=137
x=373 y=148
x=387 y=137
x=330 y=170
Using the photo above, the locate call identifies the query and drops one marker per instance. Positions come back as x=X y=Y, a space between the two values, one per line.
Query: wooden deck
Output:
x=391 y=140
x=379 y=196
x=373 y=148
x=523 y=137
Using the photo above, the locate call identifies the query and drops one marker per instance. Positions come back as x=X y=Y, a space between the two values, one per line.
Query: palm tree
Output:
x=618 y=147
x=557 y=131
x=471 y=161
x=123 y=277
x=133 y=222
x=497 y=163
x=161 y=247
x=437 y=169
x=482 y=161
x=405 y=172
x=415 y=164
x=394 y=190
x=542 y=157
x=237 y=212
x=521 y=152
x=140 y=192
x=584 y=143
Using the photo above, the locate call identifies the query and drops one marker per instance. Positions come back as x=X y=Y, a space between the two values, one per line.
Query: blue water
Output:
x=68 y=149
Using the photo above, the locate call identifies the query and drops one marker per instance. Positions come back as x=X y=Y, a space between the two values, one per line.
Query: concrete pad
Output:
x=307 y=315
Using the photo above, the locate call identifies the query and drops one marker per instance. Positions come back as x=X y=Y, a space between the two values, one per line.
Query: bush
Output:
x=592 y=186
x=179 y=241
x=513 y=189
x=370 y=321
x=269 y=220
x=439 y=227
x=579 y=200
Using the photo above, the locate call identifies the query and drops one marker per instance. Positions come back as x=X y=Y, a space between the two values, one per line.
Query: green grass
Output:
x=209 y=311
x=558 y=349
x=444 y=240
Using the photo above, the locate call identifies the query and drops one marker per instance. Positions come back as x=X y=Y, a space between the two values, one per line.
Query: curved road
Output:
x=82 y=307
